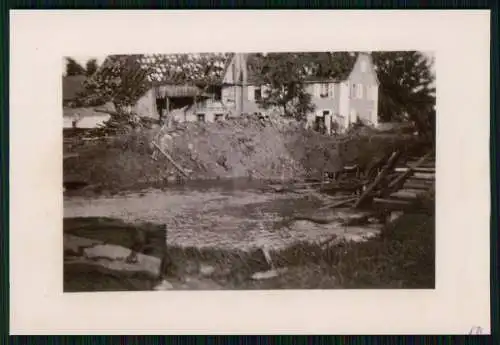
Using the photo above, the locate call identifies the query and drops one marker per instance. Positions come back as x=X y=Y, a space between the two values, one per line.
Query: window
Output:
x=323 y=90
x=201 y=117
x=257 y=94
x=354 y=116
x=219 y=117
x=363 y=66
x=357 y=91
x=331 y=90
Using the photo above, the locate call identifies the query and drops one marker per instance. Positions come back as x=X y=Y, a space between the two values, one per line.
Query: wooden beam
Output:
x=425 y=176
x=417 y=186
x=404 y=194
x=394 y=202
x=177 y=166
x=367 y=194
x=398 y=182
x=337 y=203
x=418 y=169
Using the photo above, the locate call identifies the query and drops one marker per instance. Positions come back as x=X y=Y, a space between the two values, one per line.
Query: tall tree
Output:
x=73 y=67
x=122 y=81
x=283 y=75
x=407 y=89
x=91 y=67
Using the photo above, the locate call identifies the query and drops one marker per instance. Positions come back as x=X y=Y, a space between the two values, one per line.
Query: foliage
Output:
x=406 y=88
x=197 y=69
x=73 y=67
x=122 y=81
x=91 y=67
x=283 y=75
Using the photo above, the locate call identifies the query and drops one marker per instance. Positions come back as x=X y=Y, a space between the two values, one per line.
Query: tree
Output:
x=91 y=67
x=407 y=89
x=121 y=80
x=73 y=68
x=283 y=75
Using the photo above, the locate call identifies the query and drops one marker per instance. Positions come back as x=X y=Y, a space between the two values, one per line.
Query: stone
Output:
x=206 y=270
x=268 y=274
x=164 y=285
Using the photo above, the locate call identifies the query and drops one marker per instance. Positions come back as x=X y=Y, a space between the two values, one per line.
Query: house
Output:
x=210 y=87
x=339 y=102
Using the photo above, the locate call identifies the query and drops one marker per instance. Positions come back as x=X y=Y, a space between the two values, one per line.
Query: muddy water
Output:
x=222 y=214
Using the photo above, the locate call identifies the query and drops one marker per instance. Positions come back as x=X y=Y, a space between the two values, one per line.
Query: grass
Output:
x=402 y=257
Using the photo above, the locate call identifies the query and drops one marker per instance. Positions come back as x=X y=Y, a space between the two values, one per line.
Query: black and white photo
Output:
x=245 y=171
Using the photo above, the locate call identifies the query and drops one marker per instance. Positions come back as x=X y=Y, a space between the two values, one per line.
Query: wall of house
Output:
x=146 y=105
x=211 y=109
x=330 y=104
x=363 y=91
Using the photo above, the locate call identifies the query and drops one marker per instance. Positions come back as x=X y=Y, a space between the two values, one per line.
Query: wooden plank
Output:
x=420 y=181
x=367 y=194
x=417 y=186
x=418 y=169
x=398 y=182
x=425 y=170
x=391 y=201
x=177 y=166
x=403 y=194
x=71 y=155
x=425 y=176
x=338 y=203
x=414 y=190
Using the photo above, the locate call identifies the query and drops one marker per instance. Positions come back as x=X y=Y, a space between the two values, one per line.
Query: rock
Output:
x=75 y=244
x=268 y=274
x=164 y=285
x=395 y=215
x=111 y=252
x=206 y=270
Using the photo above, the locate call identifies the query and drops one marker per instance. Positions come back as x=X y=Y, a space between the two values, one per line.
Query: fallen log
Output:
x=171 y=160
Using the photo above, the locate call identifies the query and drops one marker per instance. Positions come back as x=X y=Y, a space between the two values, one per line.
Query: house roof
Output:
x=209 y=68
x=72 y=86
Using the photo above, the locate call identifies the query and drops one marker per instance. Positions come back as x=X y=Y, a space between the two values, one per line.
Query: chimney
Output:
x=240 y=81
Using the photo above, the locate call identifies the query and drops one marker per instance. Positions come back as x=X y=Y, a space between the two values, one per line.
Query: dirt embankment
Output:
x=240 y=148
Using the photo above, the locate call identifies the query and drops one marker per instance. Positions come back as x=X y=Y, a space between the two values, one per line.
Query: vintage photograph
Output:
x=245 y=171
